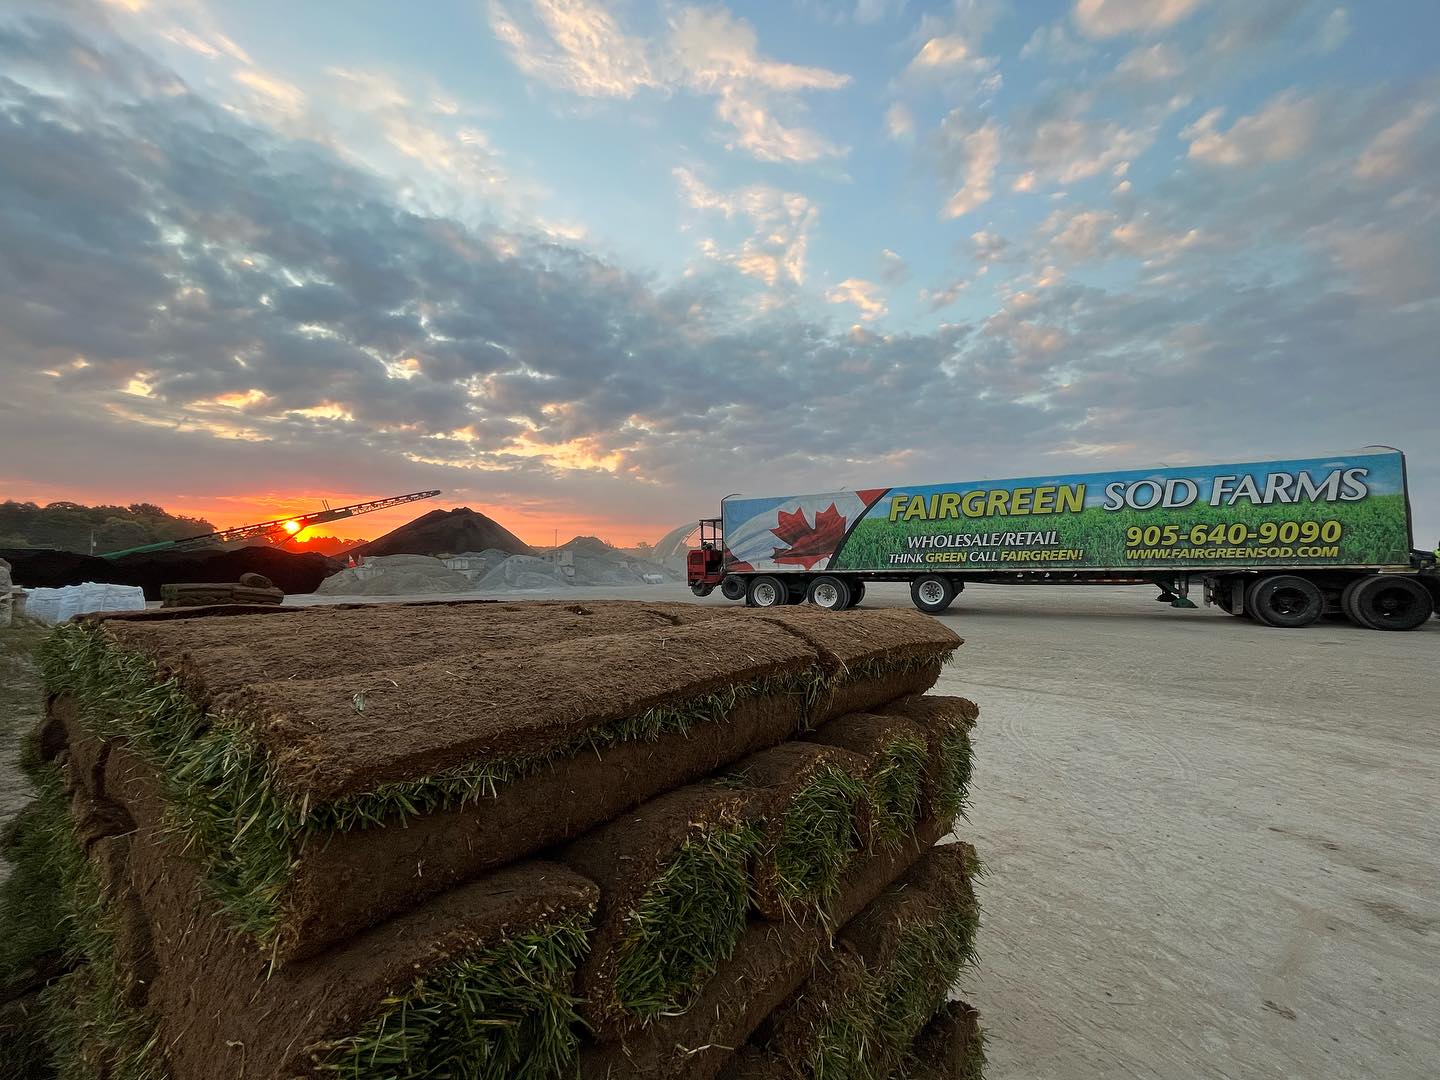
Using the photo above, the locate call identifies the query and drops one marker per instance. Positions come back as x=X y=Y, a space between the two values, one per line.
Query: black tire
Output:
x=1392 y=602
x=767 y=592
x=1287 y=601
x=932 y=593
x=857 y=592
x=830 y=593
x=701 y=588
x=732 y=587
x=1347 y=603
x=1252 y=610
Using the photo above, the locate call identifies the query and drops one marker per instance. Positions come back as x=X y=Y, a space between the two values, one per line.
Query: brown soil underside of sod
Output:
x=220 y=1012
x=942 y=1050
x=624 y=858
x=771 y=961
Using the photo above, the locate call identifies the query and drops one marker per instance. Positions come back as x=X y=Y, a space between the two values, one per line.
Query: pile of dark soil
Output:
x=293 y=573
x=309 y=841
x=445 y=532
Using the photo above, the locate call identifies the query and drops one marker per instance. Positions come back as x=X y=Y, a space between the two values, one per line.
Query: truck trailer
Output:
x=1282 y=542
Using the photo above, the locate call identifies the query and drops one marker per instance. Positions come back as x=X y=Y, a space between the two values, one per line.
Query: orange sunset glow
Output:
x=536 y=525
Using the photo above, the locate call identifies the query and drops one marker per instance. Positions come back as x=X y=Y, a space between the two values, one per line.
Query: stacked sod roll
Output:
x=526 y=840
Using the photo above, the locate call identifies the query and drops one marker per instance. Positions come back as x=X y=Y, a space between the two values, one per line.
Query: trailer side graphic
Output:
x=1321 y=524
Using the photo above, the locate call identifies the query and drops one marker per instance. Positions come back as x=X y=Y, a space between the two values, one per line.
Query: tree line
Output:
x=69 y=526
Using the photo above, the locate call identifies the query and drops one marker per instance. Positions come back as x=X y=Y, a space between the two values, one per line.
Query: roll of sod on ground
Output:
x=538 y=841
x=288 y=743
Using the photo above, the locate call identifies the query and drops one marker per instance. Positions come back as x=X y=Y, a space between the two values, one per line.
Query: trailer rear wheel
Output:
x=766 y=592
x=1286 y=601
x=932 y=593
x=1347 y=603
x=1392 y=602
x=857 y=593
x=732 y=587
x=829 y=593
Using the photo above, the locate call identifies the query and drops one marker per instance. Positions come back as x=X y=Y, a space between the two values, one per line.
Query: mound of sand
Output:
x=395 y=575
x=445 y=532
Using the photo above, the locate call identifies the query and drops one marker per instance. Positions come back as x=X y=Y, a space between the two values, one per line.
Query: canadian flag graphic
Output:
x=799 y=533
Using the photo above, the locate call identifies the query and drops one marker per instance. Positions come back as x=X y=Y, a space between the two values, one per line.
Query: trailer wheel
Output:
x=857 y=593
x=829 y=593
x=1286 y=601
x=767 y=592
x=932 y=593
x=1347 y=603
x=1392 y=602
x=701 y=588
x=732 y=587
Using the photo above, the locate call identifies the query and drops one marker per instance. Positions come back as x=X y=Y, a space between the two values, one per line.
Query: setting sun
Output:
x=292 y=527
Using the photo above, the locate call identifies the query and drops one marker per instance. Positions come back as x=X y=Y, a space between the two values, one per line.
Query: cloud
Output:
x=899 y=121
x=987 y=247
x=941 y=53
x=1111 y=18
x=971 y=157
x=1067 y=148
x=280 y=310
x=863 y=294
x=1334 y=29
x=780 y=222
x=1280 y=131
x=718 y=52
x=1054 y=41
x=873 y=11
x=580 y=47
x=1151 y=63
x=582 y=50
x=941 y=298
x=1392 y=152
x=893 y=269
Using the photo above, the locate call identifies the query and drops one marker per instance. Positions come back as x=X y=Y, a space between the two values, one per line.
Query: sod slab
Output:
x=947 y=723
x=770 y=962
x=481 y=974
x=809 y=801
x=914 y=940
x=897 y=755
x=951 y=1047
x=674 y=897
x=266 y=793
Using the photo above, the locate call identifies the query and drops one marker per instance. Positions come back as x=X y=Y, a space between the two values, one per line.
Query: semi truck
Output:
x=1284 y=543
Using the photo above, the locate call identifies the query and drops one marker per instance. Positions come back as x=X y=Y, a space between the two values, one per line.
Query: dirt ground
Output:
x=1214 y=849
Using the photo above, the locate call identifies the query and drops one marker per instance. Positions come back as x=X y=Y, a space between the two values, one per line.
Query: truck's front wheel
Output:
x=932 y=594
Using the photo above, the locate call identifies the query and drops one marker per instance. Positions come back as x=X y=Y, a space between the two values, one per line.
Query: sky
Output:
x=588 y=267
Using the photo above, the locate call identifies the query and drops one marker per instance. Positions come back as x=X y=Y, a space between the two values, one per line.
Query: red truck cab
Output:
x=705 y=565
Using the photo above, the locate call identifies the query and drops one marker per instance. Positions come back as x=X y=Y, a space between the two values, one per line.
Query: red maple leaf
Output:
x=808 y=545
